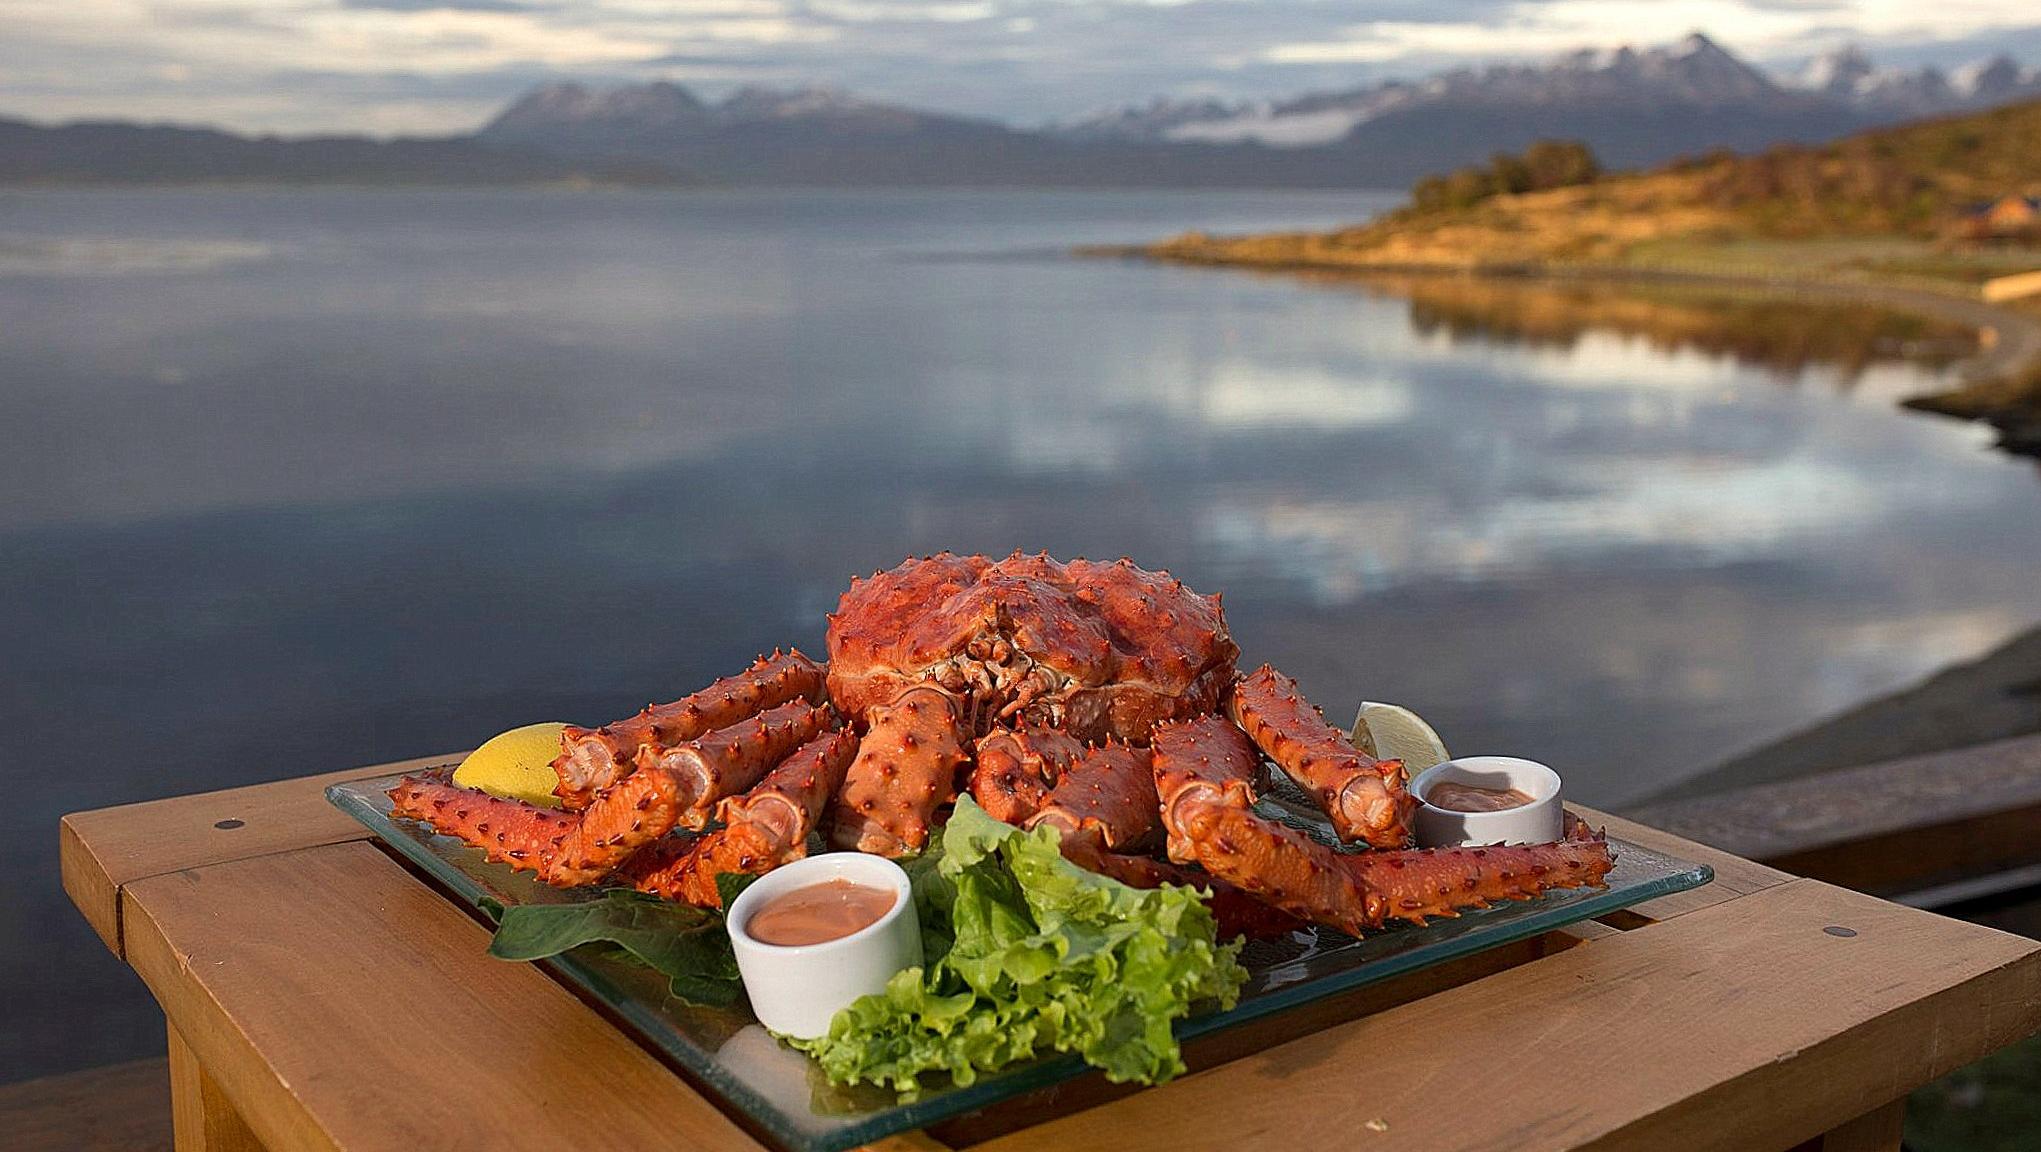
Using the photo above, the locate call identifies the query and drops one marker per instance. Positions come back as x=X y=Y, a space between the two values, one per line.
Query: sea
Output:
x=298 y=480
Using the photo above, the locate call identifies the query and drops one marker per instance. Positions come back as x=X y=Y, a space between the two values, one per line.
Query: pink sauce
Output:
x=1455 y=797
x=818 y=913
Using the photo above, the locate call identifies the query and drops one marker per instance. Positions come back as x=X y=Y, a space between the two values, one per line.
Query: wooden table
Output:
x=321 y=995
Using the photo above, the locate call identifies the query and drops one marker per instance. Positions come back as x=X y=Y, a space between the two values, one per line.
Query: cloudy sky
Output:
x=391 y=66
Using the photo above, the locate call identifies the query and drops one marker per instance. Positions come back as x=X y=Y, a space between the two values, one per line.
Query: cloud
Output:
x=444 y=65
x=427 y=5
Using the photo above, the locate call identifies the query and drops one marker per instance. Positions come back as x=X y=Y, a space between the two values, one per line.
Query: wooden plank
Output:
x=1885 y=828
x=340 y=1003
x=1878 y=1131
x=102 y=850
x=117 y=1108
x=200 y=1114
x=1734 y=876
x=906 y=1142
x=1737 y=1026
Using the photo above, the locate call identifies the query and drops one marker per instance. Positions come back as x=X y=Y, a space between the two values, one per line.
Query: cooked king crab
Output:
x=1038 y=686
x=949 y=649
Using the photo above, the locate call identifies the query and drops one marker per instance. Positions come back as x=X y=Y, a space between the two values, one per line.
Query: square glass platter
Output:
x=783 y=1094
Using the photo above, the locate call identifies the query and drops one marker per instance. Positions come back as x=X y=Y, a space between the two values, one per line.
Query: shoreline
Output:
x=1991 y=697
x=1994 y=696
x=2002 y=385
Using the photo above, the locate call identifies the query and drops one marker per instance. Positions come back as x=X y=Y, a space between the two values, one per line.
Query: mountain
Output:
x=1634 y=107
x=115 y=153
x=818 y=136
x=1848 y=77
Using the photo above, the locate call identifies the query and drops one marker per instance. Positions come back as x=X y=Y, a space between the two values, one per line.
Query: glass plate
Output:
x=781 y=1092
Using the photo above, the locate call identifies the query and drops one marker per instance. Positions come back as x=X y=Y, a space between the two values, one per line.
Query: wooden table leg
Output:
x=202 y=1119
x=1875 y=1131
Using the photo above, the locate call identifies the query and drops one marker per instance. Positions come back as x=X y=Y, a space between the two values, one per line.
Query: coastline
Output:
x=2002 y=382
x=1993 y=697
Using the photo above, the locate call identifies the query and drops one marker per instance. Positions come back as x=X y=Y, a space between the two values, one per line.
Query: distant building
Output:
x=2014 y=213
x=2010 y=217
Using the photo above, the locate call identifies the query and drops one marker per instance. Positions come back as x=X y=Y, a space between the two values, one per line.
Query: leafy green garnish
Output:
x=686 y=945
x=1042 y=957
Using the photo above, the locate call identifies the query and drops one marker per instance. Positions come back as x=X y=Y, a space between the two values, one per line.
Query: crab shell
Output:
x=1097 y=649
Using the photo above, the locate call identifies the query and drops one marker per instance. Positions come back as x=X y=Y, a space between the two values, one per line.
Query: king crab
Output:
x=1096 y=698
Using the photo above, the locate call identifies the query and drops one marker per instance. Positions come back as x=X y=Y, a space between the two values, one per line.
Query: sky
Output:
x=437 y=66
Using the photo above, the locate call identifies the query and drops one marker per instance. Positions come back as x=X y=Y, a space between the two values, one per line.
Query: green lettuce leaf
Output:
x=1042 y=957
x=688 y=946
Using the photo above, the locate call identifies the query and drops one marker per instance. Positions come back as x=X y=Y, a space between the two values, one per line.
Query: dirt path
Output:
x=2016 y=336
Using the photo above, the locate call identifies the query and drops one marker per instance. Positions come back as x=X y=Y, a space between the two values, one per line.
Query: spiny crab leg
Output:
x=762 y=829
x=1203 y=773
x=1107 y=796
x=1366 y=799
x=507 y=831
x=1106 y=804
x=1015 y=769
x=730 y=760
x=593 y=759
x=905 y=770
x=569 y=849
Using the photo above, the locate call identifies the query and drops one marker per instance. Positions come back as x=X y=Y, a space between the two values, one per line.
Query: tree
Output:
x=1544 y=165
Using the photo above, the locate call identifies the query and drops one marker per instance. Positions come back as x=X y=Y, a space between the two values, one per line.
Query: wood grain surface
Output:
x=1740 y=1026
x=107 y=848
x=340 y=1003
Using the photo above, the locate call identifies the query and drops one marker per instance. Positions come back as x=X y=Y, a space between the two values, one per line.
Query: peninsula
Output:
x=1939 y=216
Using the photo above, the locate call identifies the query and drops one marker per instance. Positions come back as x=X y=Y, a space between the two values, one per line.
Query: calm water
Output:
x=296 y=481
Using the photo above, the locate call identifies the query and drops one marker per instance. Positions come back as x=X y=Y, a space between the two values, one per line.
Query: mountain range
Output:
x=1699 y=94
x=1633 y=106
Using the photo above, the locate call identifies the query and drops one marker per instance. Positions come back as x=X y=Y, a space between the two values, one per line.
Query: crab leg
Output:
x=905 y=769
x=1365 y=798
x=1106 y=803
x=1203 y=772
x=569 y=849
x=1016 y=769
x=508 y=831
x=593 y=759
x=680 y=785
x=763 y=829
x=1107 y=796
x=1237 y=913
x=556 y=845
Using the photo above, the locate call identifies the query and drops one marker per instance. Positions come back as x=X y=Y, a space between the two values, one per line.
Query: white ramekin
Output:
x=1542 y=820
x=795 y=989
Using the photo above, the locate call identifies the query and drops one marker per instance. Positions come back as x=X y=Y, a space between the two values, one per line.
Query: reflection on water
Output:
x=412 y=468
x=1783 y=334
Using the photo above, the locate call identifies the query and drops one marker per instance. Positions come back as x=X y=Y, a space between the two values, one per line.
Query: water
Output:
x=296 y=481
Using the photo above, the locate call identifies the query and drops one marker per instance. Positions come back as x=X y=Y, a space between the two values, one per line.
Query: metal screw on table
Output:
x=228 y=823
x=1839 y=930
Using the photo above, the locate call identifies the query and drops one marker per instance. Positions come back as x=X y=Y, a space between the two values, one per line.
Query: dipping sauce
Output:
x=1454 y=797
x=818 y=913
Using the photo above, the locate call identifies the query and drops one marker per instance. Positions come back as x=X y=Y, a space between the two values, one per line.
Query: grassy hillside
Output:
x=1909 y=183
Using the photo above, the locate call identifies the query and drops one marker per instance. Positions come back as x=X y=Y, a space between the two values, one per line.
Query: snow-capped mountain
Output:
x=664 y=108
x=1695 y=76
x=1849 y=77
x=1632 y=106
x=1152 y=120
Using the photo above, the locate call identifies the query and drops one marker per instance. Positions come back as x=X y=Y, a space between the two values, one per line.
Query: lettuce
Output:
x=1032 y=955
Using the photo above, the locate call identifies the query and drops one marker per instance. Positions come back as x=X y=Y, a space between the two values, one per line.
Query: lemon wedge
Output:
x=517 y=764
x=1391 y=732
